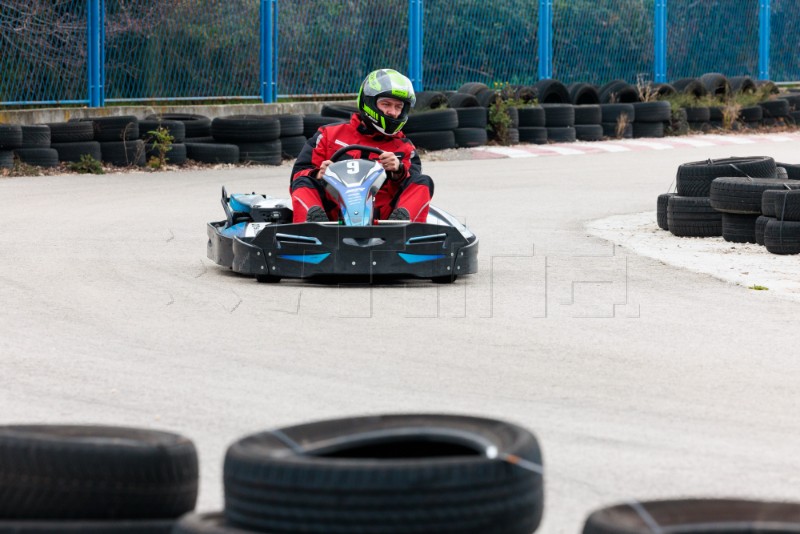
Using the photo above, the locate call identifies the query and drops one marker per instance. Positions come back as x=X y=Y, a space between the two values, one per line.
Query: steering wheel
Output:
x=348 y=148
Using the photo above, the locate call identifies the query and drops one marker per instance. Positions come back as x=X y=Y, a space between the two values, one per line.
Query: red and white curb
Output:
x=627 y=145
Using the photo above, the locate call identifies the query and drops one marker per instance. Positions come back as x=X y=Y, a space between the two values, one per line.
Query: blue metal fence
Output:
x=98 y=51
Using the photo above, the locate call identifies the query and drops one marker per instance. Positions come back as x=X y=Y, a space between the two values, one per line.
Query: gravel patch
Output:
x=744 y=264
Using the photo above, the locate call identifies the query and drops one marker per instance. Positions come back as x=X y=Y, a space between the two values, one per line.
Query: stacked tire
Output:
x=292 y=138
x=95 y=479
x=650 y=118
x=588 y=122
x=617 y=120
x=394 y=474
x=241 y=139
x=148 y=133
x=433 y=130
x=560 y=122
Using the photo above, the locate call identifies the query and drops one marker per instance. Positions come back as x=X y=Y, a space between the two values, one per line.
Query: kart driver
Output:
x=384 y=100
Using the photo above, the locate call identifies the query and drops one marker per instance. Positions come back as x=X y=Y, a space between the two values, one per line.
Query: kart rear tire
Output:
x=267 y=279
x=151 y=526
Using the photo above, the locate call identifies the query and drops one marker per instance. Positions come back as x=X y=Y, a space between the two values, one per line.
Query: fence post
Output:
x=269 y=50
x=415 y=14
x=660 y=74
x=95 y=54
x=545 y=39
x=764 y=12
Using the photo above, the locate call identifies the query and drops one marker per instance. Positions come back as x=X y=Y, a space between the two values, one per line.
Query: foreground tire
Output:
x=693 y=217
x=87 y=527
x=95 y=472
x=717 y=516
x=694 y=178
x=743 y=195
x=782 y=237
x=739 y=228
x=389 y=474
x=661 y=210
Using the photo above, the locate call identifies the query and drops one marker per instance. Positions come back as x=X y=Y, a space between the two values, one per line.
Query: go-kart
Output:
x=258 y=237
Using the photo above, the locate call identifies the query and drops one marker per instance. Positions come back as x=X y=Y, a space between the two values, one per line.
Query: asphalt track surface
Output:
x=641 y=380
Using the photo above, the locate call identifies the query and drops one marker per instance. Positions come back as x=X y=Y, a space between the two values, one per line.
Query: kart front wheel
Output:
x=267 y=279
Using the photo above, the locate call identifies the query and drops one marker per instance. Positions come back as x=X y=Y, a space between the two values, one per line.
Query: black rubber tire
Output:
x=525 y=93
x=433 y=140
x=163 y=526
x=588 y=114
x=473 y=88
x=176 y=155
x=245 y=129
x=123 y=153
x=513 y=136
x=550 y=91
x=74 y=151
x=561 y=134
x=761 y=226
x=291 y=125
x=432 y=121
x=71 y=132
x=693 y=217
x=194 y=125
x=768 y=86
x=430 y=100
x=559 y=115
x=781 y=174
x=787 y=205
x=768 y=202
x=95 y=472
x=6 y=159
x=206 y=523
x=471 y=117
x=313 y=122
x=610 y=113
x=619 y=91
x=658 y=111
x=338 y=111
x=663 y=90
x=793 y=99
x=462 y=100
x=361 y=480
x=690 y=86
x=263 y=153
x=114 y=129
x=583 y=93
x=698 y=114
x=206 y=140
x=533 y=134
x=716 y=84
x=611 y=130
x=694 y=178
x=470 y=137
x=41 y=157
x=513 y=114
x=10 y=136
x=742 y=84
x=212 y=152
x=661 y=210
x=782 y=237
x=792 y=169
x=588 y=132
x=648 y=129
x=751 y=113
x=531 y=116
x=742 y=195
x=292 y=146
x=35 y=136
x=717 y=516
x=267 y=279
x=738 y=228
x=176 y=129
x=488 y=98
x=775 y=109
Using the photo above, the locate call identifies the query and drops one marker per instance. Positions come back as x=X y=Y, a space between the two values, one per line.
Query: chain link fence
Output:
x=43 y=49
x=191 y=49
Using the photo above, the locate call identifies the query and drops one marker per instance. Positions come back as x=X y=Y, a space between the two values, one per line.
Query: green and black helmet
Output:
x=380 y=84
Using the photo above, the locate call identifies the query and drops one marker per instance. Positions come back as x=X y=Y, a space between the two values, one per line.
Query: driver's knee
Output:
x=423 y=180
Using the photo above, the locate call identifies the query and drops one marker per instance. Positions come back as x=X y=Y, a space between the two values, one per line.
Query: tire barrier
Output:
x=354 y=475
x=729 y=516
x=86 y=474
x=547 y=111
x=744 y=200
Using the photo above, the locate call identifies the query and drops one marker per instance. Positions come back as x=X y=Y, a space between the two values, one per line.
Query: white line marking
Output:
x=608 y=147
x=562 y=150
x=649 y=144
x=510 y=152
x=731 y=139
x=692 y=142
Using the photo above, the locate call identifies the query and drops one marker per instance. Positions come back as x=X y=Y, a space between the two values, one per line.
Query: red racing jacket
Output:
x=400 y=189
